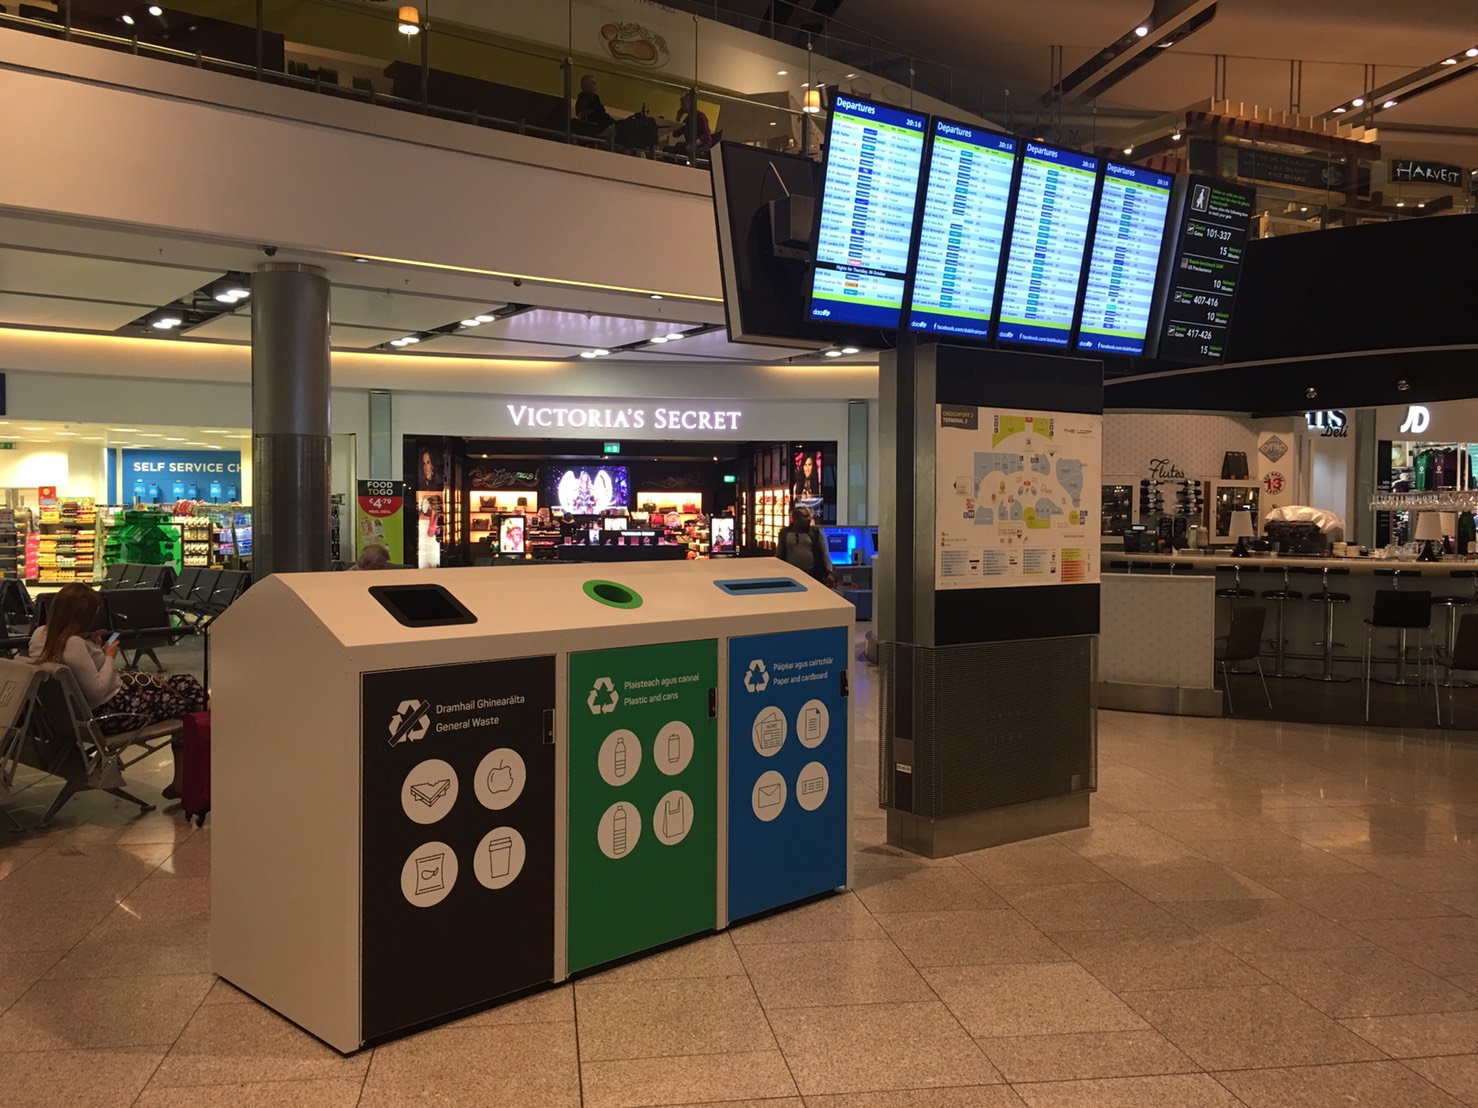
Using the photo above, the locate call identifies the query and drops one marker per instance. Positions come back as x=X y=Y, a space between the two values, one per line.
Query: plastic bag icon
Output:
x=674 y=818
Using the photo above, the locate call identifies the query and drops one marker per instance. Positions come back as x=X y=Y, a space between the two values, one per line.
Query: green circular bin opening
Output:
x=611 y=594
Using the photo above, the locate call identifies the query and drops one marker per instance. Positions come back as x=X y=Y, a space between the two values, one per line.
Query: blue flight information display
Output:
x=1054 y=212
x=1125 y=261
x=868 y=204
x=962 y=232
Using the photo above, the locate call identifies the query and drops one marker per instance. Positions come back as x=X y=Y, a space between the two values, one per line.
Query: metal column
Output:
x=290 y=419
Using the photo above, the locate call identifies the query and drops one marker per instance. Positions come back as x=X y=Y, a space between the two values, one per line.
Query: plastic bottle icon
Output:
x=621 y=756
x=618 y=831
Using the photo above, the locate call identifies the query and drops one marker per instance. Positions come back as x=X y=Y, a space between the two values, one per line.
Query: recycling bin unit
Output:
x=436 y=789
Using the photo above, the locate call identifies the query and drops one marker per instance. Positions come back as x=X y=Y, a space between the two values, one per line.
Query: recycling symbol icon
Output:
x=410 y=723
x=603 y=698
x=757 y=679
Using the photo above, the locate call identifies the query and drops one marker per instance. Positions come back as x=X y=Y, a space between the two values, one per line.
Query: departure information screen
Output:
x=1054 y=211
x=1206 y=271
x=962 y=231
x=868 y=202
x=1125 y=260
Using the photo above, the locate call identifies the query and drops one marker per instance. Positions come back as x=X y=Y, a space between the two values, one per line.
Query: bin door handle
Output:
x=846 y=685
x=713 y=703
x=548 y=726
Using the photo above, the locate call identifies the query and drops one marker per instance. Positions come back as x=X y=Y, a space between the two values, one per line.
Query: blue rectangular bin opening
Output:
x=752 y=586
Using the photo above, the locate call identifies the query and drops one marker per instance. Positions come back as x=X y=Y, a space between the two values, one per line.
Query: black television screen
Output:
x=967 y=196
x=869 y=201
x=1124 y=263
x=1049 y=234
x=586 y=488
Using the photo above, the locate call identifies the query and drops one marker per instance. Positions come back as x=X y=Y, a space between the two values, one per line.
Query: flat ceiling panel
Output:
x=495 y=348
x=40 y=273
x=716 y=344
x=233 y=327
x=577 y=328
x=378 y=308
x=361 y=338
x=55 y=311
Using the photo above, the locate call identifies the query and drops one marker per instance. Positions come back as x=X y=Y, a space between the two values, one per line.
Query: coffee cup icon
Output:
x=500 y=856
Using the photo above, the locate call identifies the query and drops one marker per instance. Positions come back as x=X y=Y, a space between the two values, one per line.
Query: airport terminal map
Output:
x=1019 y=495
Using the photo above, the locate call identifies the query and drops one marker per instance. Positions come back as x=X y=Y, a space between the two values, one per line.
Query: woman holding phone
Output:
x=139 y=699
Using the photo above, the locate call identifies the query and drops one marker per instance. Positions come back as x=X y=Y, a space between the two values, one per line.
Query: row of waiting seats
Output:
x=46 y=724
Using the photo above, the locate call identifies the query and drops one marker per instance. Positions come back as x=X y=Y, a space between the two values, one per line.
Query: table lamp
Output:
x=1428 y=531
x=1240 y=528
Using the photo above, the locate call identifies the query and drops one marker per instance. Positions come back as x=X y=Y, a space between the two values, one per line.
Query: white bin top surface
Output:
x=539 y=598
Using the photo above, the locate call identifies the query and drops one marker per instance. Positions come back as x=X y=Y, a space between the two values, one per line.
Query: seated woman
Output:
x=68 y=638
x=703 y=134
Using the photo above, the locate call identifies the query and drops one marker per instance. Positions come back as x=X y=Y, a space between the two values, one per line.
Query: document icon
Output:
x=770 y=796
x=811 y=724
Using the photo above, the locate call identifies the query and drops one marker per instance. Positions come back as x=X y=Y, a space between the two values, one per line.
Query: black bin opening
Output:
x=422 y=605
x=609 y=591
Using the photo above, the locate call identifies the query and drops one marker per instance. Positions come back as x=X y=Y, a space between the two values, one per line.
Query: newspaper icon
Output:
x=769 y=729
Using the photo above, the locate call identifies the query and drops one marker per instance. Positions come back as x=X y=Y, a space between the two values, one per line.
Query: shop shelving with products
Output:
x=66 y=542
x=15 y=524
x=197 y=534
x=143 y=536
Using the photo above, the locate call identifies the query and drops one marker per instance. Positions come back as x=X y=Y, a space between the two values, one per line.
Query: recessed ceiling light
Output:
x=601 y=352
x=805 y=84
x=194 y=444
x=1449 y=61
x=470 y=323
x=128 y=19
x=587 y=353
x=850 y=76
x=1400 y=203
x=659 y=340
x=773 y=123
x=1303 y=207
x=1358 y=102
x=485 y=318
x=361 y=259
x=781 y=72
x=1128 y=150
x=68 y=434
x=1141 y=30
x=1389 y=104
x=155 y=9
x=832 y=353
x=1422 y=204
x=656 y=296
x=172 y=438
x=33 y=428
x=1471 y=52
x=675 y=335
x=397 y=342
x=1340 y=110
x=150 y=435
x=165 y=322
x=1175 y=136
x=212 y=446
x=850 y=350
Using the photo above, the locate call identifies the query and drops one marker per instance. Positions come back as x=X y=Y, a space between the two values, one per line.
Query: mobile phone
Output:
x=114 y=637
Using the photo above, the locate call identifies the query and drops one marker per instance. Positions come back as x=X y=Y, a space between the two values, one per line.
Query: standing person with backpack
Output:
x=802 y=546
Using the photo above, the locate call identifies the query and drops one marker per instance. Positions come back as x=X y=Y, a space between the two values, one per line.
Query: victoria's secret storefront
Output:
x=610 y=481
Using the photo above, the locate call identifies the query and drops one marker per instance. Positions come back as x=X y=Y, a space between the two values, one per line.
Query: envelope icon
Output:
x=770 y=795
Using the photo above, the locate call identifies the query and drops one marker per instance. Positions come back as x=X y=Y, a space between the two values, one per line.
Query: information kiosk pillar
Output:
x=988 y=618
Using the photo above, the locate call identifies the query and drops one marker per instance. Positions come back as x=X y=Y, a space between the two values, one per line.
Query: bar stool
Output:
x=1395 y=575
x=1281 y=597
x=1452 y=604
x=1402 y=612
x=1329 y=600
x=1236 y=592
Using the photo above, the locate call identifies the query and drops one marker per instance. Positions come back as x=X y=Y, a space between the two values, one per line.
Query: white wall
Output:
x=1193 y=443
x=1332 y=476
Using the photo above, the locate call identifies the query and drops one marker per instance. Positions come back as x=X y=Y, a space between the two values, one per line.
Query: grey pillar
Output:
x=290 y=419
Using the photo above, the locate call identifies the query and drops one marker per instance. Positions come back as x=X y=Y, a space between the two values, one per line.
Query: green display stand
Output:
x=143 y=537
x=643 y=796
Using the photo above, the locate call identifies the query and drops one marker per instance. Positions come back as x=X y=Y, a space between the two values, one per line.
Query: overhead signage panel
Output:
x=962 y=231
x=1207 y=270
x=1049 y=234
x=1124 y=266
x=868 y=206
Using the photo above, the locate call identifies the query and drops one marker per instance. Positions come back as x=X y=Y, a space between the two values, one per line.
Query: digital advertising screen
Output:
x=721 y=536
x=1214 y=226
x=1049 y=235
x=962 y=231
x=511 y=535
x=587 y=490
x=1124 y=263
x=868 y=204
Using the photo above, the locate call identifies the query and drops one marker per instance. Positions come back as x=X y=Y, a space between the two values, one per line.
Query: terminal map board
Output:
x=1207 y=270
x=1124 y=265
x=456 y=838
x=643 y=798
x=1049 y=234
x=962 y=231
x=868 y=205
x=1018 y=497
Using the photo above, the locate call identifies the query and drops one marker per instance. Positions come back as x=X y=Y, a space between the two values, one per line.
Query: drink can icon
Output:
x=500 y=856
